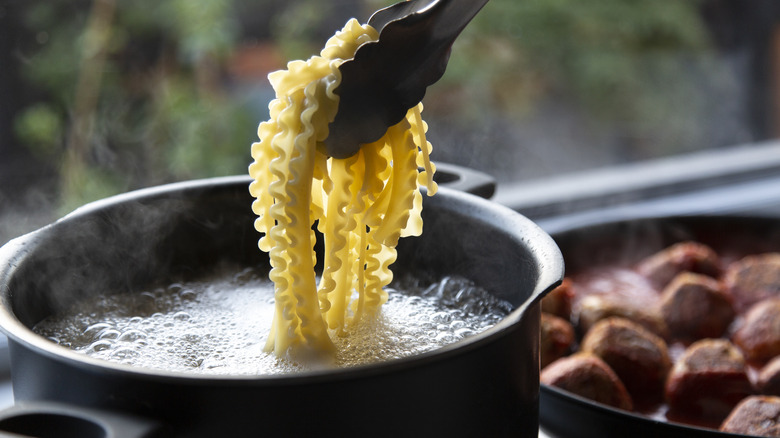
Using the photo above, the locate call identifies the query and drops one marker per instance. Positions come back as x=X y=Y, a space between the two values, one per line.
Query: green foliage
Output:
x=49 y=63
x=591 y=48
x=203 y=27
x=166 y=112
x=202 y=137
x=87 y=183
x=628 y=63
x=163 y=111
x=295 y=29
x=40 y=128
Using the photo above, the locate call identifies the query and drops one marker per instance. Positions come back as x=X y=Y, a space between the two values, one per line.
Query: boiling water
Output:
x=220 y=326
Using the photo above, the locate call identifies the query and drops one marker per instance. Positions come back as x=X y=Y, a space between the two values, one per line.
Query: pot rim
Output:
x=544 y=250
x=636 y=418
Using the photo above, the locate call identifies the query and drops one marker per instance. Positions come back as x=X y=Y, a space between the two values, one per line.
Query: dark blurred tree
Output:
x=634 y=65
x=132 y=93
x=140 y=98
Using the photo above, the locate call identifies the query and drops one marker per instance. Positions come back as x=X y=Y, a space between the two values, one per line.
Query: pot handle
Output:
x=48 y=420
x=465 y=179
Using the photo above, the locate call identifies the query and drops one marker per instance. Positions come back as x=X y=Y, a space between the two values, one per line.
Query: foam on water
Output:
x=219 y=326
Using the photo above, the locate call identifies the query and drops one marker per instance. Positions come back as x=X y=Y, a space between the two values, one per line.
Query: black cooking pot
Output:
x=623 y=243
x=486 y=385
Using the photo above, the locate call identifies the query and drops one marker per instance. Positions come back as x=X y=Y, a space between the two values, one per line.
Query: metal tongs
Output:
x=388 y=76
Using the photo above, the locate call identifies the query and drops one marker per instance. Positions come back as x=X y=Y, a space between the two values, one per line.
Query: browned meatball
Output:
x=639 y=358
x=757 y=415
x=693 y=307
x=594 y=308
x=557 y=338
x=707 y=381
x=768 y=381
x=753 y=278
x=759 y=335
x=661 y=267
x=558 y=301
x=588 y=376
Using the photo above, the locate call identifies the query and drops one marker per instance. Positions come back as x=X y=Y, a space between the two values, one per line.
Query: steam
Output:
x=26 y=213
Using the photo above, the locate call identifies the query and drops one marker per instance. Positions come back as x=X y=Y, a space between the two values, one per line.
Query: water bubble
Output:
x=187 y=294
x=430 y=291
x=191 y=338
x=142 y=304
x=440 y=317
x=94 y=330
x=212 y=363
x=124 y=353
x=99 y=346
x=132 y=336
x=191 y=362
x=414 y=301
x=108 y=333
x=182 y=316
x=457 y=324
x=444 y=338
x=464 y=332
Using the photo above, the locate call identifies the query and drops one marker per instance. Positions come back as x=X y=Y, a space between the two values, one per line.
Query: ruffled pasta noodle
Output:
x=362 y=204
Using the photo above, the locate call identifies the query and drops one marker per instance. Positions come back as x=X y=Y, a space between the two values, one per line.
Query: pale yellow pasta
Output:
x=361 y=204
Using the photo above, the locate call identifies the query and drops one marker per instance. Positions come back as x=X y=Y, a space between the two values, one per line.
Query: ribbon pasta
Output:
x=362 y=204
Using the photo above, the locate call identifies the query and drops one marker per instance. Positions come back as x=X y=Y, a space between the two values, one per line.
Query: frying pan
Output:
x=623 y=243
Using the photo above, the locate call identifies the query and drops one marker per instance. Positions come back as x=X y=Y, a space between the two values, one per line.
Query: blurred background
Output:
x=98 y=97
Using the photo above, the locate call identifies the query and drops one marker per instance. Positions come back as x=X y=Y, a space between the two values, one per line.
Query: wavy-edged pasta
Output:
x=362 y=204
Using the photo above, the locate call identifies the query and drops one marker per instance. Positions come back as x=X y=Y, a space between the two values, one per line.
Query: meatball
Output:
x=588 y=376
x=707 y=381
x=759 y=335
x=757 y=415
x=594 y=308
x=558 y=301
x=557 y=338
x=661 y=267
x=753 y=278
x=693 y=306
x=639 y=358
x=768 y=381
